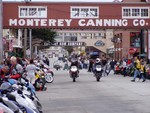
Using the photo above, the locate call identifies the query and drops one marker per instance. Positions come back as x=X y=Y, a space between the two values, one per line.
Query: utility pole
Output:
x=1 y=32
x=25 y=42
x=30 y=36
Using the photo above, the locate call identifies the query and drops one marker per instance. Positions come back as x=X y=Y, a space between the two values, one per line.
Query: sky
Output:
x=67 y=0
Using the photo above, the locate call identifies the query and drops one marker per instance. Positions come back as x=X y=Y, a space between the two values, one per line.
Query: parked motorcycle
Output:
x=48 y=74
x=40 y=82
x=98 y=72
x=18 y=98
x=74 y=73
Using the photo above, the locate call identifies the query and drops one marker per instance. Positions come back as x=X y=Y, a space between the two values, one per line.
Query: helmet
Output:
x=97 y=60
x=5 y=86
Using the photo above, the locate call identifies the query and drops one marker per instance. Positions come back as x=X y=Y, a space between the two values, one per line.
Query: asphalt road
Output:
x=113 y=94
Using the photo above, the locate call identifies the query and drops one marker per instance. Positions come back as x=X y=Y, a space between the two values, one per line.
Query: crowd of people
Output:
x=140 y=65
x=13 y=67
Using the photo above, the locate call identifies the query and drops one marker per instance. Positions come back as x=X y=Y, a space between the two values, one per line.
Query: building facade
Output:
x=108 y=27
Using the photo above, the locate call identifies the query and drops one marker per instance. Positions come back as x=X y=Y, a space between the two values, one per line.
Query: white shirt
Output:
x=31 y=68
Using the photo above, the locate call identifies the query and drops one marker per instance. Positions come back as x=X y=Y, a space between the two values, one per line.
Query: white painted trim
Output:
x=135 y=17
x=89 y=7
x=28 y=11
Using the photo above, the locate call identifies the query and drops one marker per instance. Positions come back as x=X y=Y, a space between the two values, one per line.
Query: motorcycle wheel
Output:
x=74 y=79
x=98 y=79
x=49 y=78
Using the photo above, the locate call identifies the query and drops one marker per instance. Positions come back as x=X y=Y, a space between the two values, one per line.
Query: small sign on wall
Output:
x=99 y=43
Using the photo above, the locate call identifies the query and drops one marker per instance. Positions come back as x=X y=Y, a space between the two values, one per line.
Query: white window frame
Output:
x=83 y=7
x=33 y=16
x=133 y=17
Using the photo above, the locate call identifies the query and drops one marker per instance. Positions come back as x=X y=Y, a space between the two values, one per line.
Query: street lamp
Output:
x=1 y=31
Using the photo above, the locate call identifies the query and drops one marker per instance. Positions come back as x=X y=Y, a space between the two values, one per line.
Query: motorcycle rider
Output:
x=74 y=62
x=97 y=62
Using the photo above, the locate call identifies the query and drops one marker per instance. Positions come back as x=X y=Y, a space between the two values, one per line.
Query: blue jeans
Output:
x=136 y=73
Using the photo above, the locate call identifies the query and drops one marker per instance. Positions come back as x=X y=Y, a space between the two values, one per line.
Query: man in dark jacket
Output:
x=112 y=66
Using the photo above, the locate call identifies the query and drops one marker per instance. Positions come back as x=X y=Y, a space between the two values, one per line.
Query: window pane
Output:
x=144 y=12
x=32 y=11
x=75 y=12
x=93 y=12
x=84 y=12
x=126 y=12
x=41 y=12
x=135 y=12
x=23 y=11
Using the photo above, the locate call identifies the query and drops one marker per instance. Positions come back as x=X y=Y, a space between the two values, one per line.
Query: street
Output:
x=113 y=94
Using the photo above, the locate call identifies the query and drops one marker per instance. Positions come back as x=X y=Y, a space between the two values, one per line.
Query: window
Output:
x=135 y=12
x=32 y=12
x=135 y=39
x=84 y=12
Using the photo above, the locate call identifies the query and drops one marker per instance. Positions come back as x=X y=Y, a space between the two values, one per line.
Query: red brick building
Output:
x=127 y=19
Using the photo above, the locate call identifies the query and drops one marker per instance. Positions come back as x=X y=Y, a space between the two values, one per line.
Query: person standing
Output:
x=137 y=64
x=90 y=65
x=31 y=68
x=124 y=66
x=112 y=66
x=104 y=62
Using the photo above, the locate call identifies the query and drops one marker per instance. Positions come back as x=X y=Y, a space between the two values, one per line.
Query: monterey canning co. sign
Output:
x=81 y=22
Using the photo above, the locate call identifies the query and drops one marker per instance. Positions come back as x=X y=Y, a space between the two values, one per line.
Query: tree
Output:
x=46 y=35
x=69 y=49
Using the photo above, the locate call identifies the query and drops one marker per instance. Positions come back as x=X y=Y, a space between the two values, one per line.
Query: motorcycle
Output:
x=17 y=100
x=40 y=82
x=98 y=72
x=48 y=75
x=74 y=73
x=5 y=109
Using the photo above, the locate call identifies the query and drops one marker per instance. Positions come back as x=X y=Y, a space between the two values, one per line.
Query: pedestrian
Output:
x=91 y=62
x=143 y=71
x=112 y=66
x=31 y=68
x=66 y=66
x=124 y=66
x=137 y=65
x=104 y=65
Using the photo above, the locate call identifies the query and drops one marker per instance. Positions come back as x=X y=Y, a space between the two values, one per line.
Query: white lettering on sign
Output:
x=52 y=22
x=12 y=22
x=30 y=22
x=61 y=22
x=99 y=22
x=43 y=22
x=37 y=22
x=21 y=22
x=137 y=22
x=90 y=23
x=80 y=22
x=68 y=21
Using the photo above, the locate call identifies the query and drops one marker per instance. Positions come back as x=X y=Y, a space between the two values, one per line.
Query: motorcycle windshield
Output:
x=98 y=66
